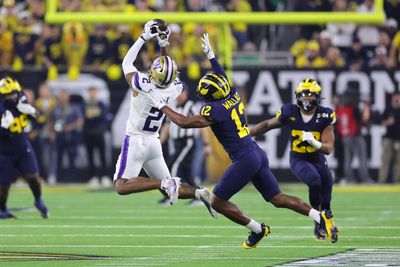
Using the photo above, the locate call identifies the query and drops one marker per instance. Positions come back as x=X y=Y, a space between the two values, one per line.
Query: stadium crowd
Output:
x=27 y=41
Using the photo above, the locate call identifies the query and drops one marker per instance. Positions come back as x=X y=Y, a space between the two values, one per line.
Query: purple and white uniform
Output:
x=141 y=147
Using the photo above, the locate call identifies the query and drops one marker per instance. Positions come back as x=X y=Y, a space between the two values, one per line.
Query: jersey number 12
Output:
x=242 y=128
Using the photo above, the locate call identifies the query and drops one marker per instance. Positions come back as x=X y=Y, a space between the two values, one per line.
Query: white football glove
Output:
x=162 y=39
x=26 y=108
x=309 y=138
x=206 y=46
x=7 y=119
x=156 y=99
x=147 y=34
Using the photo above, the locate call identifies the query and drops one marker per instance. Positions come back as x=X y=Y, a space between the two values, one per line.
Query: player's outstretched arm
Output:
x=127 y=64
x=182 y=121
x=265 y=126
x=206 y=46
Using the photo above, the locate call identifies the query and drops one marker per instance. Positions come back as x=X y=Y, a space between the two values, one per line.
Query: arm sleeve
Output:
x=217 y=67
x=130 y=57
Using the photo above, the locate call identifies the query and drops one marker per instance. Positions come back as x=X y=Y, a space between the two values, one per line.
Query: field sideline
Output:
x=101 y=228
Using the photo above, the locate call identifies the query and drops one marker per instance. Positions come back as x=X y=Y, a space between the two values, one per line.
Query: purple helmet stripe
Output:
x=167 y=70
x=170 y=69
x=124 y=155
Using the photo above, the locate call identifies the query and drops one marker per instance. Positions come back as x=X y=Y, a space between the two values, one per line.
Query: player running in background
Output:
x=16 y=153
x=142 y=147
x=312 y=136
x=223 y=111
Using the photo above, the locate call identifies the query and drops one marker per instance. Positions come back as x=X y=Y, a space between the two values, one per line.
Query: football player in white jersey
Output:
x=142 y=147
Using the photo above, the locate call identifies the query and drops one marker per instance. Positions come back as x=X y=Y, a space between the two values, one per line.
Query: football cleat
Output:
x=6 y=215
x=327 y=226
x=254 y=238
x=317 y=235
x=206 y=196
x=171 y=186
x=39 y=204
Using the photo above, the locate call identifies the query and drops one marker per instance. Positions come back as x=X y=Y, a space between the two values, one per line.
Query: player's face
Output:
x=307 y=96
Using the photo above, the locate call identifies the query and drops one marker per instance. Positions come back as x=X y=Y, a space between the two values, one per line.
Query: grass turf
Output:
x=101 y=228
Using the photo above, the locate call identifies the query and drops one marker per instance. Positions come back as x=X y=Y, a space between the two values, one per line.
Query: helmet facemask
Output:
x=308 y=88
x=308 y=104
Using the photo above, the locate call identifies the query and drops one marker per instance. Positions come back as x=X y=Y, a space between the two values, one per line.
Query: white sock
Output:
x=314 y=214
x=197 y=193
x=254 y=226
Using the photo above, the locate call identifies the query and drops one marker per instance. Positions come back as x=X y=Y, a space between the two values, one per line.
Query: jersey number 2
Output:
x=241 y=127
x=156 y=115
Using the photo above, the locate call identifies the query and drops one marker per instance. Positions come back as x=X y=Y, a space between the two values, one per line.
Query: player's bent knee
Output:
x=120 y=187
x=278 y=201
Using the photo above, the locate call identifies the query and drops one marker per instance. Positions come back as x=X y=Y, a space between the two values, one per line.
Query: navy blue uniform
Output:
x=307 y=163
x=16 y=153
x=249 y=161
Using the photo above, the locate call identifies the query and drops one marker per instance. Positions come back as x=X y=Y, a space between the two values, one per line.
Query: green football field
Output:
x=101 y=228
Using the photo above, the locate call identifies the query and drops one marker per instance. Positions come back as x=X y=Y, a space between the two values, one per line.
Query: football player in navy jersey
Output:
x=312 y=136
x=223 y=111
x=16 y=154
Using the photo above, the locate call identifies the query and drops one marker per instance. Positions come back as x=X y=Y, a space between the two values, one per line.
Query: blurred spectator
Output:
x=121 y=45
x=391 y=141
x=8 y=13
x=6 y=44
x=175 y=45
x=356 y=56
x=368 y=34
x=390 y=27
x=384 y=40
x=24 y=40
x=45 y=103
x=98 y=48
x=67 y=121
x=311 y=57
x=392 y=10
x=74 y=41
x=196 y=5
x=239 y=30
x=53 y=48
x=380 y=60
x=96 y=121
x=350 y=122
x=342 y=33
x=334 y=59
x=325 y=42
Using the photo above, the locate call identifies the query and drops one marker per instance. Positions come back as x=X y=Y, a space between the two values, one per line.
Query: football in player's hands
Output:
x=7 y=119
x=148 y=31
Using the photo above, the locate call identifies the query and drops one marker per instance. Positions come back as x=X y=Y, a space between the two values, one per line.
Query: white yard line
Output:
x=188 y=236
x=328 y=246
x=18 y=226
